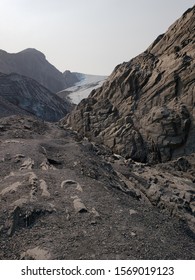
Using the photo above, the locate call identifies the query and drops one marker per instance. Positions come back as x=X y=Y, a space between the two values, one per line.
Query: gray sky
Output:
x=89 y=36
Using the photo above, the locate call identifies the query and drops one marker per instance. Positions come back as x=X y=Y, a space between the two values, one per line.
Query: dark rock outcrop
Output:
x=145 y=110
x=33 y=64
x=24 y=96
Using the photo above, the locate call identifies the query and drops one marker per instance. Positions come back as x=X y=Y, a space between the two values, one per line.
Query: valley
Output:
x=96 y=167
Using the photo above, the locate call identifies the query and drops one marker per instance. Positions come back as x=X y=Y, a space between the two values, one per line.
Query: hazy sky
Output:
x=89 y=36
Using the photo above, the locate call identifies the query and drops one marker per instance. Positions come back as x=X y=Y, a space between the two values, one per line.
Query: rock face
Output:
x=63 y=197
x=24 y=96
x=145 y=110
x=33 y=64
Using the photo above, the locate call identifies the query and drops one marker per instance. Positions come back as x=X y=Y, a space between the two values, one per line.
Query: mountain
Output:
x=33 y=64
x=145 y=109
x=63 y=197
x=22 y=95
x=82 y=87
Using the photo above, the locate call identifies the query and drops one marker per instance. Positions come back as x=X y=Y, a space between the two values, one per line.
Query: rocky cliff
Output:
x=145 y=110
x=24 y=96
x=33 y=64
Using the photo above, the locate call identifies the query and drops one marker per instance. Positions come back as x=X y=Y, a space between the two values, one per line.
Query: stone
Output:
x=79 y=206
x=36 y=253
x=7 y=157
x=45 y=165
x=192 y=207
x=132 y=212
x=33 y=180
x=95 y=213
x=17 y=159
x=182 y=164
x=27 y=164
x=44 y=188
x=13 y=220
x=68 y=183
x=154 y=193
x=20 y=202
x=79 y=188
x=11 y=189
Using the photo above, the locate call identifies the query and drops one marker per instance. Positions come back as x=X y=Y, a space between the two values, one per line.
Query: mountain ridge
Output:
x=33 y=64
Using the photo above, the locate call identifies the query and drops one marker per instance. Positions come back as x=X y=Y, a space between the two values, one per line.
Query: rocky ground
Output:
x=63 y=197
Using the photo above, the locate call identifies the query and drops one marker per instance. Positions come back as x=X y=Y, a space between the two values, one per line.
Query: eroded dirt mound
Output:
x=63 y=197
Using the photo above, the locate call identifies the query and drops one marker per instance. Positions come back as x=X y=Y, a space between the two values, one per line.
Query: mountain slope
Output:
x=82 y=88
x=22 y=95
x=33 y=64
x=7 y=109
x=145 y=109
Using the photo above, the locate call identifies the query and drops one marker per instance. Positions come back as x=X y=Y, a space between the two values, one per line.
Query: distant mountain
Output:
x=22 y=95
x=33 y=64
x=145 y=109
x=70 y=78
x=82 y=88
